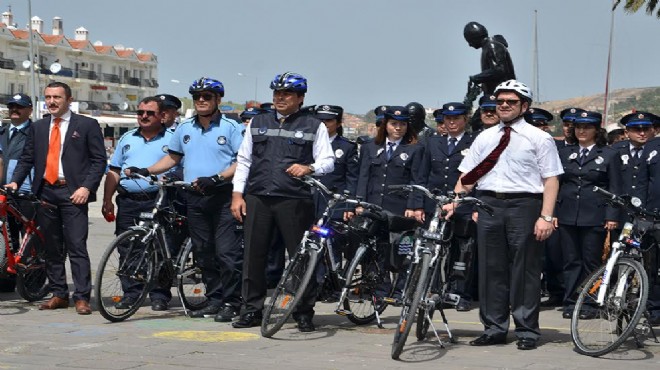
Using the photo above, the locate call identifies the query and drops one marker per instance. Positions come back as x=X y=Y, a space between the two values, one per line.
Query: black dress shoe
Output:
x=125 y=303
x=209 y=311
x=488 y=340
x=553 y=301
x=588 y=315
x=463 y=305
x=226 y=314
x=248 y=320
x=159 y=305
x=305 y=324
x=526 y=344
x=567 y=314
x=654 y=319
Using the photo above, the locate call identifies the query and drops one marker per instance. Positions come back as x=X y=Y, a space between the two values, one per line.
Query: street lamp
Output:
x=33 y=78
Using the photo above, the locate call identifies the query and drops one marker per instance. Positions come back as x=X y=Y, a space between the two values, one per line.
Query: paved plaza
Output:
x=33 y=339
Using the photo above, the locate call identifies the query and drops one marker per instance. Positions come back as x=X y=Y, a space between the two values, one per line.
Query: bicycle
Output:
x=429 y=254
x=316 y=243
x=141 y=256
x=618 y=290
x=365 y=273
x=27 y=260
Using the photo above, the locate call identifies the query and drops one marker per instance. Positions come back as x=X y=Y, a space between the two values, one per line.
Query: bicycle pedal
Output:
x=393 y=301
x=343 y=312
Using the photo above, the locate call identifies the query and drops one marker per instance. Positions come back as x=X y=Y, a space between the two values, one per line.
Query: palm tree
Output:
x=633 y=6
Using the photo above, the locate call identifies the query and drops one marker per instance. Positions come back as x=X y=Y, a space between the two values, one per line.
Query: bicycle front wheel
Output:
x=615 y=320
x=190 y=285
x=289 y=291
x=31 y=278
x=412 y=297
x=124 y=276
x=362 y=276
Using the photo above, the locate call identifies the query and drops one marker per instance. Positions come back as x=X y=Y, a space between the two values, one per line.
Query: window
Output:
x=12 y=88
x=21 y=88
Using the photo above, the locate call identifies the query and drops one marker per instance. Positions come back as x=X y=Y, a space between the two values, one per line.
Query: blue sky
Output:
x=362 y=53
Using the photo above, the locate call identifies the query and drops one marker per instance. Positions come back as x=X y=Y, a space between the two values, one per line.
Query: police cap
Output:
x=590 y=117
x=487 y=102
x=638 y=119
x=20 y=99
x=329 y=112
x=538 y=116
x=454 y=109
x=397 y=113
x=437 y=114
x=569 y=114
x=169 y=101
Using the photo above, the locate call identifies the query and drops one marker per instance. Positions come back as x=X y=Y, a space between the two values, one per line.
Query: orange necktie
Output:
x=53 y=158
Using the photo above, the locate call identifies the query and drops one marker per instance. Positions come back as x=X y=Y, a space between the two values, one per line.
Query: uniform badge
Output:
x=186 y=139
x=339 y=153
x=624 y=159
x=450 y=108
x=325 y=107
x=572 y=156
x=403 y=156
x=126 y=148
x=222 y=140
x=465 y=152
x=379 y=151
x=17 y=97
x=397 y=113
x=651 y=155
x=298 y=135
x=599 y=160
x=165 y=148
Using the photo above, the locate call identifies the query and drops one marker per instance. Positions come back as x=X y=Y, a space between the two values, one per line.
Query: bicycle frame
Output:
x=30 y=226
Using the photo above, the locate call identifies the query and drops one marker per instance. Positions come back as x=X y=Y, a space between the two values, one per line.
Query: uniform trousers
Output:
x=128 y=212
x=510 y=263
x=217 y=240
x=553 y=266
x=582 y=247
x=65 y=229
x=291 y=217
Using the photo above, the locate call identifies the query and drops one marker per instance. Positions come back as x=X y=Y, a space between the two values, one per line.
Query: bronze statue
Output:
x=496 y=64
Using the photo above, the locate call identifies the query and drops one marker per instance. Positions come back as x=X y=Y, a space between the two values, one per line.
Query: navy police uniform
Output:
x=216 y=236
x=582 y=213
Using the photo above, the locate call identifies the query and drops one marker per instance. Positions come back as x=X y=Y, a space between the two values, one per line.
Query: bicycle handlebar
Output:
x=153 y=180
x=621 y=202
x=441 y=200
x=311 y=181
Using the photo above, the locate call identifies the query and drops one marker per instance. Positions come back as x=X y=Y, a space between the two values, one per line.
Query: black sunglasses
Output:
x=510 y=102
x=206 y=96
x=149 y=113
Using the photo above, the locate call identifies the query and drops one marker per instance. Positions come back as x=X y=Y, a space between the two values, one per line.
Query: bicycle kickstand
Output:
x=447 y=329
x=428 y=318
x=379 y=323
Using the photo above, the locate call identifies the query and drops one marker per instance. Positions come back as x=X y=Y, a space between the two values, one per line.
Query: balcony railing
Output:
x=89 y=75
x=7 y=63
x=109 y=77
x=134 y=81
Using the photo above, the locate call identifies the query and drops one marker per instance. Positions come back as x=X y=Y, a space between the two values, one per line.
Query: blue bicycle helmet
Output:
x=207 y=84
x=289 y=81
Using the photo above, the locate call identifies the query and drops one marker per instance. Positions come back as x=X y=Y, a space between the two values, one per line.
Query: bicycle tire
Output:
x=422 y=325
x=31 y=278
x=190 y=285
x=596 y=337
x=3 y=247
x=289 y=291
x=108 y=288
x=418 y=284
x=360 y=298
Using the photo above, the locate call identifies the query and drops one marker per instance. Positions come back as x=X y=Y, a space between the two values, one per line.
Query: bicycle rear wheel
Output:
x=289 y=291
x=412 y=297
x=617 y=317
x=190 y=285
x=360 y=286
x=127 y=262
x=31 y=278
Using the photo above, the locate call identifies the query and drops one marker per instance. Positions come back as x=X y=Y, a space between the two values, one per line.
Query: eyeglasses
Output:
x=510 y=102
x=206 y=96
x=149 y=113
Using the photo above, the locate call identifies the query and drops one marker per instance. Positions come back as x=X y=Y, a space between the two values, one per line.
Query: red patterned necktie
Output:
x=488 y=163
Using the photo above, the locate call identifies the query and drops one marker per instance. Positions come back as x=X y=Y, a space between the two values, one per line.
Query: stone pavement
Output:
x=33 y=339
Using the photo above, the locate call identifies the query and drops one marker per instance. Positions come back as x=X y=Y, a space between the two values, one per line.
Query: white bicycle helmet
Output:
x=516 y=86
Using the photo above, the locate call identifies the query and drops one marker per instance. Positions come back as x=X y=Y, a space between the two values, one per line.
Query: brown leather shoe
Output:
x=54 y=303
x=82 y=307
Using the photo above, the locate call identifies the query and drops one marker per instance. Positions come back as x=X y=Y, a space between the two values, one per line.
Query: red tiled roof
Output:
x=124 y=53
x=52 y=39
x=78 y=44
x=103 y=49
x=21 y=34
x=145 y=57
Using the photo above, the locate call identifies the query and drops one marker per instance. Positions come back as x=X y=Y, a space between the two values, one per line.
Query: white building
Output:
x=105 y=80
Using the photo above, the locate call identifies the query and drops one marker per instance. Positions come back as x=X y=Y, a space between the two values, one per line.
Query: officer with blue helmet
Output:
x=439 y=170
x=171 y=106
x=209 y=141
x=583 y=216
x=140 y=147
x=248 y=114
x=278 y=148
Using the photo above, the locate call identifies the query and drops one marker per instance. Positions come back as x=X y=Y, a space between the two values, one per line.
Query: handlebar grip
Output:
x=603 y=191
x=375 y=215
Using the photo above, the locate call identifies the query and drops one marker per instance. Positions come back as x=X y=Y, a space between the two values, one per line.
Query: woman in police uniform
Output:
x=583 y=216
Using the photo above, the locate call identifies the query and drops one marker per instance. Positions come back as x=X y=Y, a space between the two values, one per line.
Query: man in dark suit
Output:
x=68 y=156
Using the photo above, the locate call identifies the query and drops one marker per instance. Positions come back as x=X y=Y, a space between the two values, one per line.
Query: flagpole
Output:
x=606 y=110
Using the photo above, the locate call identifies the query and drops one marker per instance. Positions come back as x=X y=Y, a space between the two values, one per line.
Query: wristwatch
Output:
x=311 y=168
x=546 y=218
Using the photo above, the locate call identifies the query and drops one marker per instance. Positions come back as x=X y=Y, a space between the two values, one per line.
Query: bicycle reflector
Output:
x=320 y=230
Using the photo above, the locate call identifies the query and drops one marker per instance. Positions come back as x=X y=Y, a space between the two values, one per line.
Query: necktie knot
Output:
x=390 y=149
x=585 y=152
x=452 y=144
x=57 y=121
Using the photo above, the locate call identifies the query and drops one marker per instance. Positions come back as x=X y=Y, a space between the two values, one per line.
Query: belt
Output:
x=140 y=196
x=57 y=184
x=497 y=195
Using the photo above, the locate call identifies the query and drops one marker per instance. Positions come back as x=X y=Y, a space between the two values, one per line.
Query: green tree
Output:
x=633 y=6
